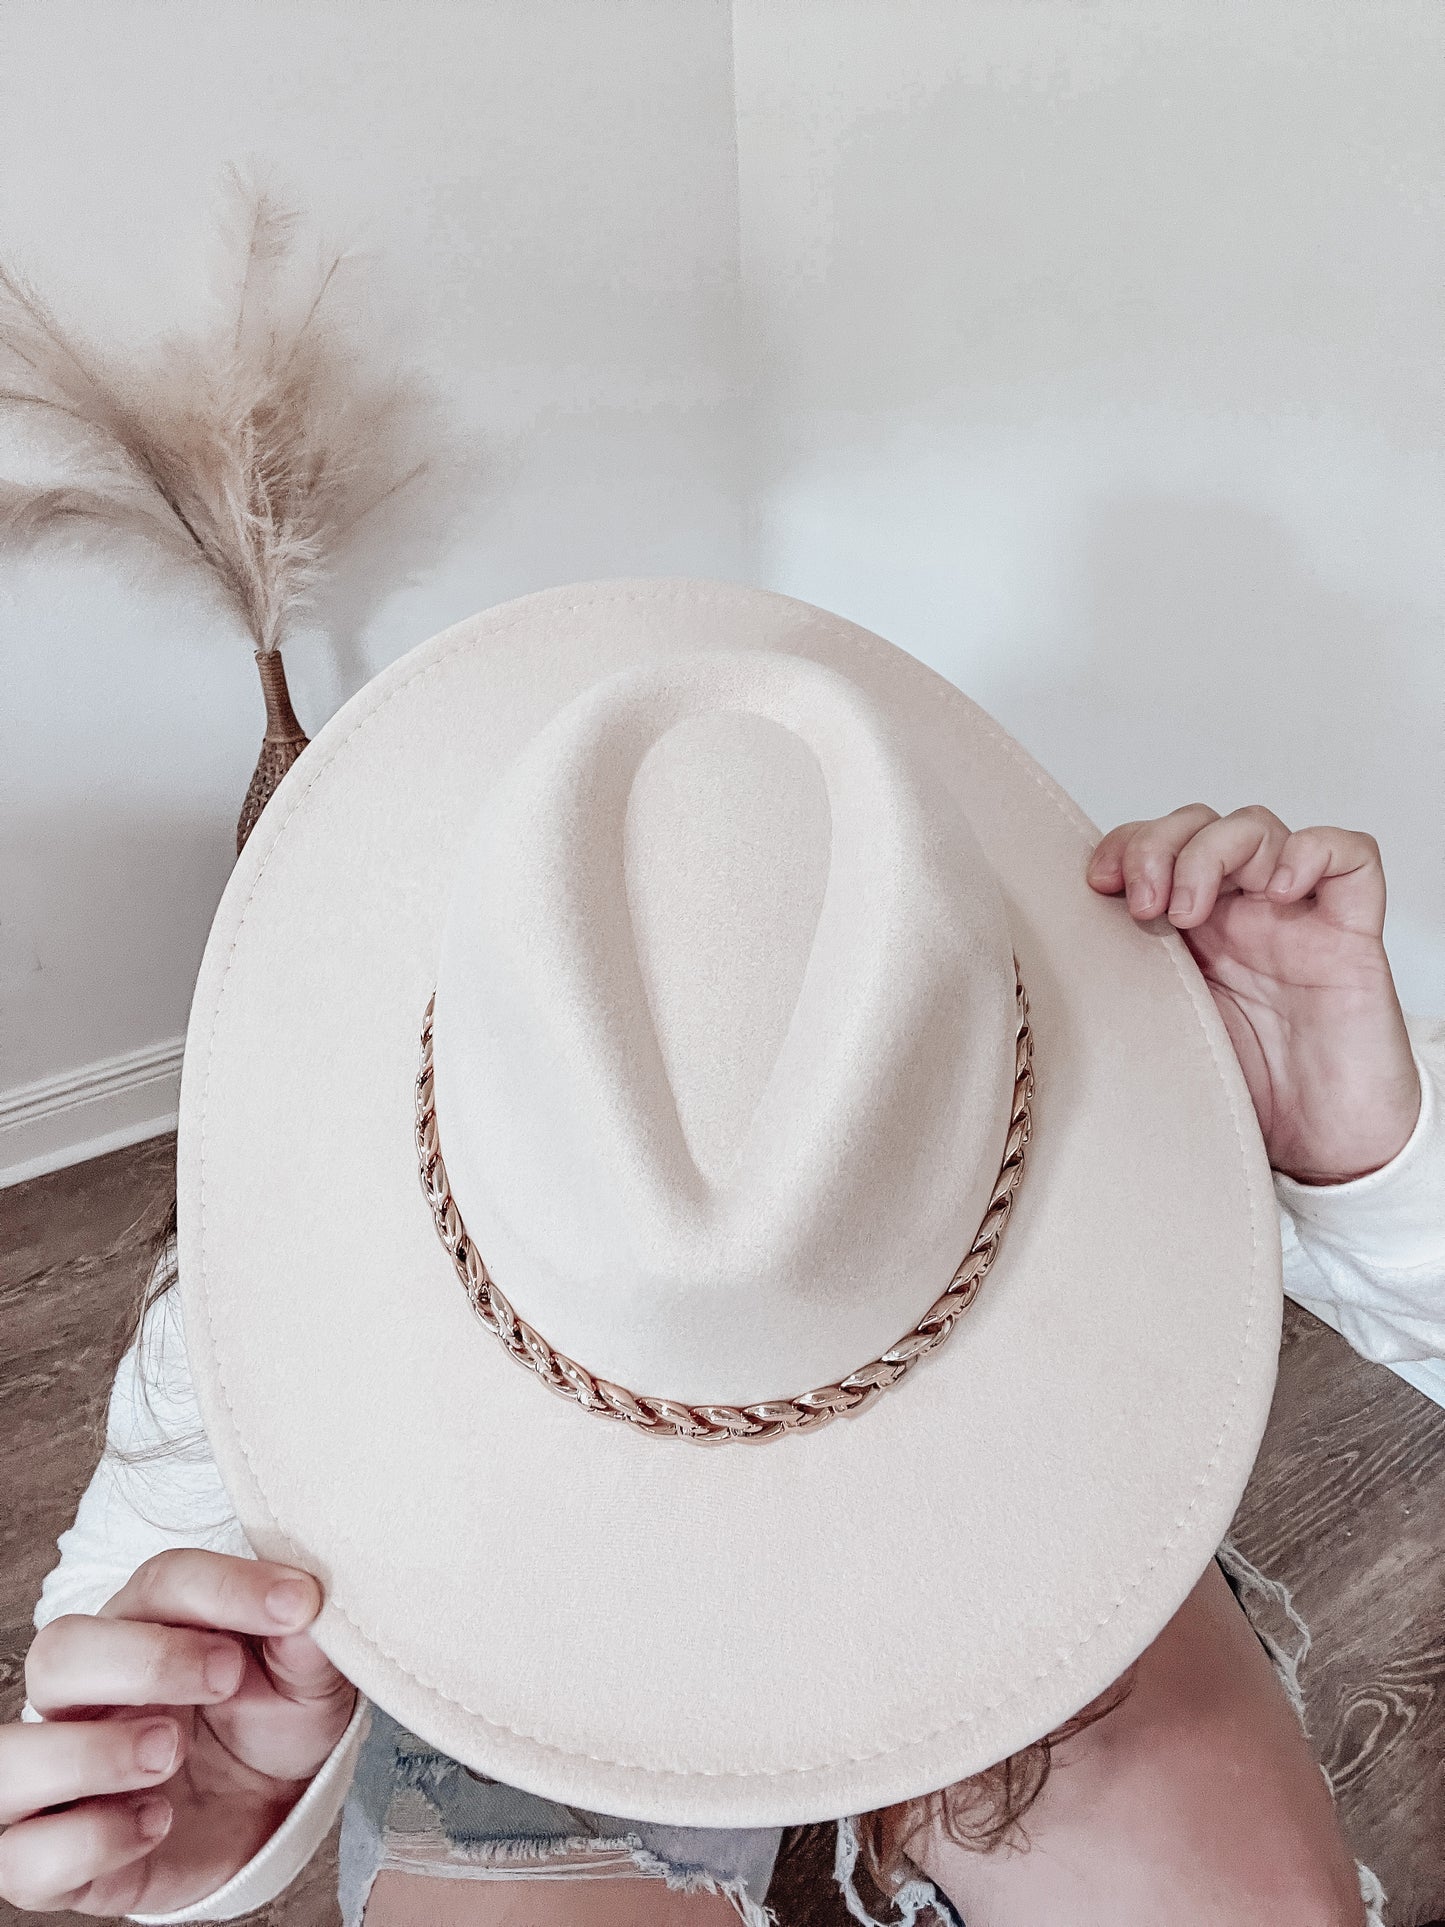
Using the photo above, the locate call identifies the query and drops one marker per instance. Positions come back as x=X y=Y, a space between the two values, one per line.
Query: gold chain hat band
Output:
x=720 y=1424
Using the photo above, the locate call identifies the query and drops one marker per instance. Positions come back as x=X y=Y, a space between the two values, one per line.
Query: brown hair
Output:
x=160 y=1276
x=979 y=1813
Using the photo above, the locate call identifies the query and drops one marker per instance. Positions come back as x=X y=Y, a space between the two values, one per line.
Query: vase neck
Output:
x=281 y=723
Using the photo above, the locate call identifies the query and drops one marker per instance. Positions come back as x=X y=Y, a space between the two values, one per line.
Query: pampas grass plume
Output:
x=254 y=446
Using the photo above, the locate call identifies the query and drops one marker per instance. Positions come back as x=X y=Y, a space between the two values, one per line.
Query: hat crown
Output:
x=724 y=1034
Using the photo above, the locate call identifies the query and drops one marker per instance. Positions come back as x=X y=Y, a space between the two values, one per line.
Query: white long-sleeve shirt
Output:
x=1368 y=1257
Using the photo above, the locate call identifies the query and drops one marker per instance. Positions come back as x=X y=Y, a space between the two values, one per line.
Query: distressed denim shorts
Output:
x=414 y=1810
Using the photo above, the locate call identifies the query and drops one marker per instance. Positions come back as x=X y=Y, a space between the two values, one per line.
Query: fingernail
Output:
x=156 y=1746
x=153 y=1816
x=1181 y=903
x=1282 y=881
x=289 y=1602
x=222 y=1668
x=1140 y=894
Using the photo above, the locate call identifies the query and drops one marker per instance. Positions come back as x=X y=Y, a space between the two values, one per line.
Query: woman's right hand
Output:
x=181 y=1724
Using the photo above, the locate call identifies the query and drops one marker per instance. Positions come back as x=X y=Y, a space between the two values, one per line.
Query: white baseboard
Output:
x=81 y=1114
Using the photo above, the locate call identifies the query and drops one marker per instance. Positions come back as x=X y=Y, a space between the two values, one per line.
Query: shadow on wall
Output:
x=576 y=494
x=401 y=546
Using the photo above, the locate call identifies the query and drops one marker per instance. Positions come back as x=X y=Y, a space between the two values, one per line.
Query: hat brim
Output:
x=748 y=1635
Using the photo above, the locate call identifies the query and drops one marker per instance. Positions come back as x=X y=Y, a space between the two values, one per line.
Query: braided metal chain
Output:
x=720 y=1424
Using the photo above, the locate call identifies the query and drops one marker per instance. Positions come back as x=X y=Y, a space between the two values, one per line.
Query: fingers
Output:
x=46 y=1762
x=188 y=1587
x=212 y=1593
x=82 y=1660
x=78 y=1859
x=1342 y=868
x=1241 y=848
x=1178 y=865
x=1138 y=858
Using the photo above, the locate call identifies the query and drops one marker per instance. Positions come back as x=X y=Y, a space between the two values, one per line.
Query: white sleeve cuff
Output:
x=1394 y=1217
x=270 y=1871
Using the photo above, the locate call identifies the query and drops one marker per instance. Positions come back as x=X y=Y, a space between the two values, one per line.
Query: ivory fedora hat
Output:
x=755 y=1290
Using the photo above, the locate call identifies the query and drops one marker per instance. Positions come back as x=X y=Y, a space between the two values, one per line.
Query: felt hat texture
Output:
x=719 y=896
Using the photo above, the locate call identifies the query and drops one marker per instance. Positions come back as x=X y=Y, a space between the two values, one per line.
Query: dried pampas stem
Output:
x=253 y=448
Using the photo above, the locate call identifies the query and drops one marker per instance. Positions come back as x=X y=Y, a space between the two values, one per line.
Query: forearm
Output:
x=1369 y=1254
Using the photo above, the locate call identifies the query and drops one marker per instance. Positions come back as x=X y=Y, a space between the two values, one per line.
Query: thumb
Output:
x=300 y=1671
x=290 y=1709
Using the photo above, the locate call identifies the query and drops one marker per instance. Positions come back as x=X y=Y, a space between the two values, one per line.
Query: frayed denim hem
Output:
x=412 y=1810
x=592 y=1858
x=909 y=1902
x=691 y=1880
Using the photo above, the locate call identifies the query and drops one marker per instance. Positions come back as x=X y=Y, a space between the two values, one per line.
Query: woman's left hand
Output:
x=1287 y=929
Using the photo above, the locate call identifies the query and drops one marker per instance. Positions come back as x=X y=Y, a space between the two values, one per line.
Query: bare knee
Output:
x=1196 y=1799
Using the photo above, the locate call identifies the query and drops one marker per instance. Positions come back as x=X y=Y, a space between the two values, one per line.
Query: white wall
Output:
x=1089 y=349
x=549 y=191
x=1101 y=365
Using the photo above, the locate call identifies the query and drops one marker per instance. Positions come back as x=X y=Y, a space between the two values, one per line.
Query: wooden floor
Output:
x=1347 y=1505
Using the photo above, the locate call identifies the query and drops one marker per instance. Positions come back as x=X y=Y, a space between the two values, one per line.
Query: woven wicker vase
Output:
x=284 y=741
